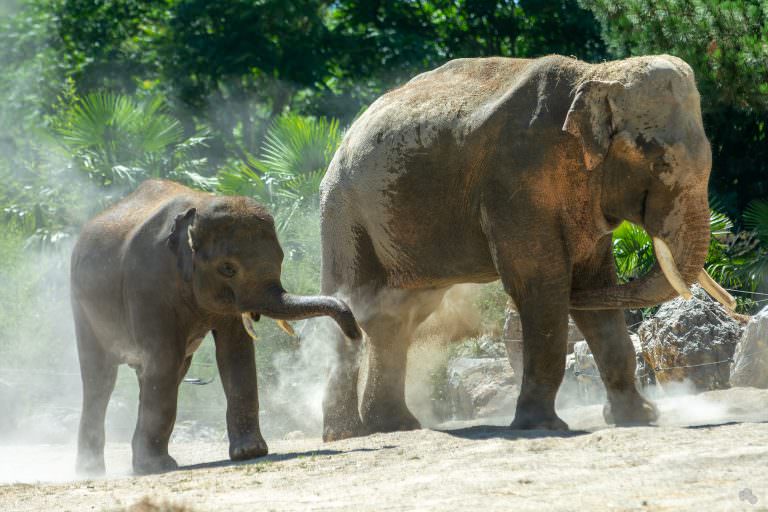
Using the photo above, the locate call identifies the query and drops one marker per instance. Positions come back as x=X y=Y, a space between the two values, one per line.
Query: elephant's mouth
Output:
x=250 y=318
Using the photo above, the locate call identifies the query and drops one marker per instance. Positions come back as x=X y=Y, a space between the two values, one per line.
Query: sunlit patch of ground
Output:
x=709 y=453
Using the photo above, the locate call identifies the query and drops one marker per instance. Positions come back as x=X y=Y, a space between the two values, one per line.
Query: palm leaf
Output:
x=296 y=145
x=756 y=218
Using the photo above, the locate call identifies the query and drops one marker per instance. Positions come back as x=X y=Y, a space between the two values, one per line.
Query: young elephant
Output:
x=150 y=277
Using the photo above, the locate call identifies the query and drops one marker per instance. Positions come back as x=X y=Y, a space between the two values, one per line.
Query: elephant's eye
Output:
x=227 y=270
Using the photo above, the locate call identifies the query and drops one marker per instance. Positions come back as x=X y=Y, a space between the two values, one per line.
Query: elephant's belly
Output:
x=421 y=257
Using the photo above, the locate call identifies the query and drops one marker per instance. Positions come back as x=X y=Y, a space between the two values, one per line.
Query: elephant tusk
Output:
x=669 y=267
x=248 y=324
x=284 y=325
x=716 y=291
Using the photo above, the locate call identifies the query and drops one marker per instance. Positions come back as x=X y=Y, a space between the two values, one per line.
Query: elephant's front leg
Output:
x=607 y=337
x=158 y=394
x=543 y=311
x=237 y=368
x=531 y=259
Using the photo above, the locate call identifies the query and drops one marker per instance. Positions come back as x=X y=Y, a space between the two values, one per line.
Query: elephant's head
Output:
x=643 y=135
x=227 y=249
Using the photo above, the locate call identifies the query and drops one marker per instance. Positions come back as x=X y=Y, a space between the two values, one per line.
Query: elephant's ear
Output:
x=180 y=242
x=589 y=118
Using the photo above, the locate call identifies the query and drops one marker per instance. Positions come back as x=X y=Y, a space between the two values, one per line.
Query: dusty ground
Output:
x=709 y=453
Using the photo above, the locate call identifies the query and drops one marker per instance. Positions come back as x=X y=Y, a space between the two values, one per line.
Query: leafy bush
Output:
x=118 y=142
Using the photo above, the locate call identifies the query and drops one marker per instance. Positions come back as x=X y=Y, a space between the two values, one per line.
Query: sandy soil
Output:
x=710 y=452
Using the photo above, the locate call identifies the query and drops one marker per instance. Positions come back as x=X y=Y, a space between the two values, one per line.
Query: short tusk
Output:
x=668 y=266
x=286 y=327
x=248 y=324
x=716 y=291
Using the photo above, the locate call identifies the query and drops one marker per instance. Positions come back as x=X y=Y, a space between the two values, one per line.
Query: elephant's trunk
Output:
x=687 y=247
x=281 y=305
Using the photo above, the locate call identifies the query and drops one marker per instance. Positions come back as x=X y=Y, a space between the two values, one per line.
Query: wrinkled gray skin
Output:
x=518 y=170
x=150 y=277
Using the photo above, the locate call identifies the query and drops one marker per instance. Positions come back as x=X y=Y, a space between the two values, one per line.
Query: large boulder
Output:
x=582 y=384
x=480 y=380
x=691 y=341
x=750 y=362
x=481 y=387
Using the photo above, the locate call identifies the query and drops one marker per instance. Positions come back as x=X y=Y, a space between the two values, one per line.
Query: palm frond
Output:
x=116 y=139
x=756 y=218
x=296 y=145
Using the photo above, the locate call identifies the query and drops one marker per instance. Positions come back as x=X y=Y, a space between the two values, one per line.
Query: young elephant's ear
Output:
x=589 y=118
x=180 y=242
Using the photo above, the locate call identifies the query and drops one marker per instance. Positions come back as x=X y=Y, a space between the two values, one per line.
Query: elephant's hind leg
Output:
x=99 y=373
x=351 y=270
x=341 y=418
x=395 y=316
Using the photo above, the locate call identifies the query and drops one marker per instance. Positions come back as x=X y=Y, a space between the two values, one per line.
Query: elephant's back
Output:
x=103 y=239
x=444 y=102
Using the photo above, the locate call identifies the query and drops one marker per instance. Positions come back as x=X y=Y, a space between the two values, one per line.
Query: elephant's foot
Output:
x=390 y=419
x=90 y=466
x=336 y=429
x=248 y=447
x=628 y=410
x=537 y=418
x=148 y=464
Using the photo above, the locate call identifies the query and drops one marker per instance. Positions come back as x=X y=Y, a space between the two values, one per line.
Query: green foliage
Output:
x=632 y=251
x=117 y=141
x=294 y=156
x=30 y=298
x=756 y=219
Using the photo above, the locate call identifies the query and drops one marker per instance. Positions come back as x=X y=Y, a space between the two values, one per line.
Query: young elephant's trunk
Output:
x=280 y=305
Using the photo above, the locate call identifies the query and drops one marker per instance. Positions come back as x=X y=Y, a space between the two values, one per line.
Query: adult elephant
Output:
x=150 y=277
x=518 y=170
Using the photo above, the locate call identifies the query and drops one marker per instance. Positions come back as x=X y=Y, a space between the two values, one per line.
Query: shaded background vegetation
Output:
x=252 y=97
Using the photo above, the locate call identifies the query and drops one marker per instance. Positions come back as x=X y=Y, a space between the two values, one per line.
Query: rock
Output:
x=481 y=347
x=582 y=384
x=294 y=435
x=574 y=334
x=192 y=430
x=691 y=340
x=633 y=318
x=512 y=336
x=589 y=385
x=481 y=387
x=644 y=375
x=750 y=362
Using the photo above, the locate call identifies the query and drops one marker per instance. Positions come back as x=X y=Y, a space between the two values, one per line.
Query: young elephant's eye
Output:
x=227 y=270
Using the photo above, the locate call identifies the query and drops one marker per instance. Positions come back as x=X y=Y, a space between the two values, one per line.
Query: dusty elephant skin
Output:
x=517 y=170
x=150 y=277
